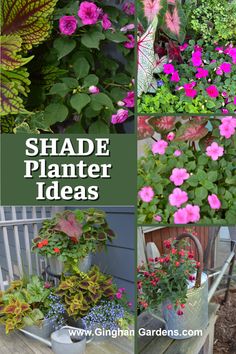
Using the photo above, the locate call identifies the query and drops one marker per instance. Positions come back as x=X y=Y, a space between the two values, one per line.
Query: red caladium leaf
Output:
x=191 y=132
x=144 y=129
x=153 y=8
x=174 y=23
x=163 y=124
x=201 y=120
x=70 y=226
x=174 y=52
x=27 y=19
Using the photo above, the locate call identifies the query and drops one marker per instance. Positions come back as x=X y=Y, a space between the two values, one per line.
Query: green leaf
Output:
x=59 y=89
x=81 y=68
x=92 y=38
x=64 y=46
x=90 y=80
x=116 y=37
x=193 y=181
x=70 y=82
x=212 y=176
x=201 y=193
x=76 y=128
x=79 y=101
x=100 y=100
x=201 y=175
x=99 y=127
x=55 y=112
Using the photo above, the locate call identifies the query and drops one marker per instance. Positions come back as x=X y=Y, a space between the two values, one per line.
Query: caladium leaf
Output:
x=160 y=64
x=70 y=226
x=191 y=132
x=146 y=58
x=144 y=129
x=153 y=8
x=163 y=124
x=28 y=19
x=174 y=23
x=14 y=85
x=10 y=59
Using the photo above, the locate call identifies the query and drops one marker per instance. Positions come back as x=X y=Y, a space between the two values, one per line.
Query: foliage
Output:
x=189 y=148
x=81 y=73
x=26 y=303
x=167 y=278
x=83 y=291
x=23 y=25
x=214 y=21
x=71 y=236
x=188 y=90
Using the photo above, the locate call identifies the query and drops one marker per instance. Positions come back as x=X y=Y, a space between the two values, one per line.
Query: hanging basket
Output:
x=195 y=316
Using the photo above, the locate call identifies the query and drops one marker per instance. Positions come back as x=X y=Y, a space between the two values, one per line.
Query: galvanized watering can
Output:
x=195 y=313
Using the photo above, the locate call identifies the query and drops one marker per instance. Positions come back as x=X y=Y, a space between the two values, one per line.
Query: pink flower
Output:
x=159 y=147
x=201 y=73
x=190 y=85
x=146 y=194
x=224 y=110
x=157 y=218
x=94 y=89
x=129 y=8
x=193 y=213
x=131 y=42
x=214 y=151
x=120 y=116
x=129 y=99
x=224 y=94
x=68 y=25
x=175 y=77
x=190 y=93
x=219 y=49
x=235 y=100
x=229 y=120
x=178 y=197
x=168 y=69
x=130 y=304
x=197 y=58
x=106 y=23
x=128 y=27
x=197 y=48
x=219 y=71
x=212 y=91
x=183 y=47
x=88 y=13
x=181 y=217
x=170 y=136
x=225 y=67
x=227 y=128
x=118 y=295
x=178 y=176
x=177 y=153
x=214 y=201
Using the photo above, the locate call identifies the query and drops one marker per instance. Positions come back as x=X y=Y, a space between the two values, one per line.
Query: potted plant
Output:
x=188 y=175
x=69 y=239
x=82 y=291
x=175 y=284
x=31 y=305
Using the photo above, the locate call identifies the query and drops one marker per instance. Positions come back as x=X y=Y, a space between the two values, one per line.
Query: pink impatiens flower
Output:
x=68 y=25
x=129 y=8
x=177 y=153
x=190 y=93
x=159 y=147
x=168 y=69
x=131 y=42
x=212 y=91
x=226 y=67
x=228 y=126
x=146 y=194
x=170 y=136
x=214 y=151
x=235 y=100
x=89 y=13
x=214 y=201
x=219 y=71
x=120 y=116
x=129 y=99
x=178 y=197
x=94 y=89
x=175 y=77
x=183 y=47
x=193 y=213
x=106 y=23
x=201 y=73
x=179 y=175
x=181 y=216
x=157 y=218
x=197 y=58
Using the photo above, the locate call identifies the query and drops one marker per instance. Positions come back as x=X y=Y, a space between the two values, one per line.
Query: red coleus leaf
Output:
x=163 y=124
x=191 y=132
x=70 y=226
x=174 y=52
x=144 y=129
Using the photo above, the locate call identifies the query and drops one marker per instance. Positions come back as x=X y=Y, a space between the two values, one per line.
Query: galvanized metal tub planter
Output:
x=57 y=266
x=64 y=342
x=44 y=330
x=195 y=314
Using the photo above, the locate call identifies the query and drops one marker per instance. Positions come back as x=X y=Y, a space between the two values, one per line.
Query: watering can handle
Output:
x=199 y=253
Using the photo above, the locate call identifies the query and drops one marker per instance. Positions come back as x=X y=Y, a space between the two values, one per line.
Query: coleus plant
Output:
x=71 y=236
x=199 y=150
x=168 y=17
x=24 y=24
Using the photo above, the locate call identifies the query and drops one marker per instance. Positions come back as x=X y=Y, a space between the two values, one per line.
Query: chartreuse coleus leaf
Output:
x=14 y=85
x=10 y=59
x=29 y=19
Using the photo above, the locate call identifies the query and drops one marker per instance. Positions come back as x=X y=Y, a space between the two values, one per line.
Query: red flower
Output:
x=161 y=260
x=153 y=282
x=167 y=259
x=44 y=242
x=40 y=245
x=56 y=250
x=190 y=255
x=191 y=278
x=150 y=260
x=173 y=251
x=198 y=264
x=169 y=307
x=167 y=243
x=182 y=253
x=180 y=313
x=177 y=264
x=182 y=306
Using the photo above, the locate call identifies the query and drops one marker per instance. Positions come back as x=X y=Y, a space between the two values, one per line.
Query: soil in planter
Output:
x=225 y=328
